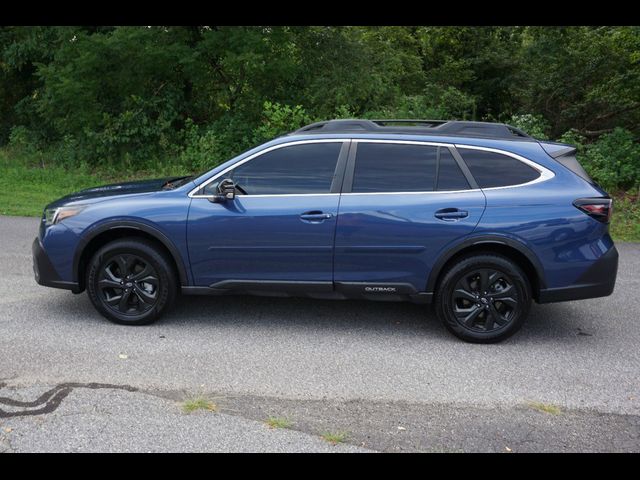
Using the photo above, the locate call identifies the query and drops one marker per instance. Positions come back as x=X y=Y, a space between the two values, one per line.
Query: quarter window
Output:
x=297 y=169
x=496 y=170
x=388 y=167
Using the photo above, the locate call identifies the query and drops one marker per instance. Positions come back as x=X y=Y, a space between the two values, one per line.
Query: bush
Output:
x=279 y=119
x=436 y=103
x=613 y=160
x=534 y=125
x=201 y=150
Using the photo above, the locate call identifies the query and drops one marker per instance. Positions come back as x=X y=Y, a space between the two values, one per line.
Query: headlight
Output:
x=53 y=216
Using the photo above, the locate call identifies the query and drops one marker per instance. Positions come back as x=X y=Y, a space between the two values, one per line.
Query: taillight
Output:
x=598 y=208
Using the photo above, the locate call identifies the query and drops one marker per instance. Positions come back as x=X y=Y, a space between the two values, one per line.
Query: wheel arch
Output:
x=512 y=249
x=124 y=229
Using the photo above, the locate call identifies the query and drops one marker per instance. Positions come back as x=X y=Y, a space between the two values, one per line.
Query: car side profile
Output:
x=476 y=218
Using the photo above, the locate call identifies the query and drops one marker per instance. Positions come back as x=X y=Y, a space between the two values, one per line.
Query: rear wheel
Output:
x=131 y=282
x=483 y=298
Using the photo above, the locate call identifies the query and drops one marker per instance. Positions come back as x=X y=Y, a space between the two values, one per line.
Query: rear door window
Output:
x=390 y=167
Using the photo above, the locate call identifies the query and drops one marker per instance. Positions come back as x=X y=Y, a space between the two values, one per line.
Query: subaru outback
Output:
x=476 y=218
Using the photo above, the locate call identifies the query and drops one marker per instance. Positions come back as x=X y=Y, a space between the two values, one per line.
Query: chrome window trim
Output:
x=415 y=193
x=192 y=193
x=265 y=195
x=545 y=173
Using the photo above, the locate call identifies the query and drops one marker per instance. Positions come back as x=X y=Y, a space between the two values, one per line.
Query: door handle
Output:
x=315 y=216
x=451 y=214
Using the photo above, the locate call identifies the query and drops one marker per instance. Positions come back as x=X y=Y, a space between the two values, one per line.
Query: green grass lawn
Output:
x=25 y=189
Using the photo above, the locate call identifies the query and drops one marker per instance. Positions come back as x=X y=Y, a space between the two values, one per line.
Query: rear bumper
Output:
x=598 y=281
x=44 y=272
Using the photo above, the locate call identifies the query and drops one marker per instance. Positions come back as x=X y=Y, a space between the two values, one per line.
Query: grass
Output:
x=25 y=190
x=198 y=403
x=335 y=438
x=278 y=422
x=625 y=224
x=26 y=187
x=545 y=408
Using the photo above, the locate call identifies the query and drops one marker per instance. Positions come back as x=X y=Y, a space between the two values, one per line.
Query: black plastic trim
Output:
x=44 y=272
x=347 y=183
x=598 y=281
x=201 y=291
x=116 y=224
x=464 y=167
x=273 y=285
x=338 y=174
x=489 y=240
x=323 y=290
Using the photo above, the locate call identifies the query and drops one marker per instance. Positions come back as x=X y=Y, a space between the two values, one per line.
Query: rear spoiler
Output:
x=557 y=150
x=566 y=155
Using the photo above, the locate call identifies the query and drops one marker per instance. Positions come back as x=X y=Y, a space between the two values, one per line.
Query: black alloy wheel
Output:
x=128 y=284
x=131 y=281
x=483 y=298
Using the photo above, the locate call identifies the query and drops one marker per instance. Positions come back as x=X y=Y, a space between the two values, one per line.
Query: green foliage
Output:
x=183 y=99
x=625 y=224
x=202 y=148
x=614 y=160
x=534 y=125
x=279 y=119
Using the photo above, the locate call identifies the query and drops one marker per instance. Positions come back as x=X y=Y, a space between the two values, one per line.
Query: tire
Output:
x=139 y=299
x=463 y=307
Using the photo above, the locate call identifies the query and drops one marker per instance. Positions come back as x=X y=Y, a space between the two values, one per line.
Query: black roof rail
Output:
x=417 y=127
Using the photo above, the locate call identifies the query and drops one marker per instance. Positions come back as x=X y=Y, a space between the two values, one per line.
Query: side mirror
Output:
x=226 y=191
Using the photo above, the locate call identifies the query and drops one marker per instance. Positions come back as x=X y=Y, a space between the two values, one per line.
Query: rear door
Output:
x=402 y=203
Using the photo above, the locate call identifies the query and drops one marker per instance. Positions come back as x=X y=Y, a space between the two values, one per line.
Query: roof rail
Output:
x=417 y=127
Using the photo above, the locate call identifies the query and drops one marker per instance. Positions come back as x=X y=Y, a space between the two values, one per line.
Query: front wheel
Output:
x=131 y=282
x=483 y=298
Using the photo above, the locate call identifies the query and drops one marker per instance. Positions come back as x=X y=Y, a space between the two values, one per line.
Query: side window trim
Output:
x=347 y=184
x=197 y=192
x=545 y=173
x=339 y=173
x=465 y=169
x=437 y=177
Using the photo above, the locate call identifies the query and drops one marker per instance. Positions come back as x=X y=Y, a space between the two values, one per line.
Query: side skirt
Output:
x=389 y=292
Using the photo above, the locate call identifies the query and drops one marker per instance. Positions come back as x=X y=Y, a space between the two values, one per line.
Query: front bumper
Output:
x=598 y=281
x=44 y=272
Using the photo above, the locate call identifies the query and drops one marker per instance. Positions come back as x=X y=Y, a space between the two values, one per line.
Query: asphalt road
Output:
x=387 y=374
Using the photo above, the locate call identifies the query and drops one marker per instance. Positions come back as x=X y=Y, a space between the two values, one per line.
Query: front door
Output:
x=402 y=204
x=279 y=229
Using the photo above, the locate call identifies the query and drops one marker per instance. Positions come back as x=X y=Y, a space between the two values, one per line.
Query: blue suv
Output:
x=475 y=218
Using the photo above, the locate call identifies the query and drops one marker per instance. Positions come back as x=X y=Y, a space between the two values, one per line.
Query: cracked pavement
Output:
x=387 y=374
